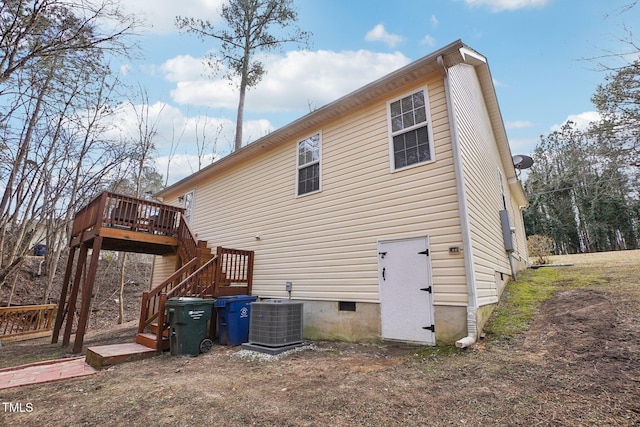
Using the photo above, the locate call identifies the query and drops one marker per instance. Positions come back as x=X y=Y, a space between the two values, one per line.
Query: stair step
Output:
x=154 y=330
x=149 y=340
x=107 y=355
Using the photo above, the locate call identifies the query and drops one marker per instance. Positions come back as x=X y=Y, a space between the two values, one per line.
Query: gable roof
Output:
x=448 y=56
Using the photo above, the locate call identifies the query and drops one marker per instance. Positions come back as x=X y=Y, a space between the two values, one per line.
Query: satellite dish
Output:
x=520 y=161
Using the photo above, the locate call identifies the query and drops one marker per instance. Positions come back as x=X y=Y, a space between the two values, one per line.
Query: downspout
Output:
x=472 y=303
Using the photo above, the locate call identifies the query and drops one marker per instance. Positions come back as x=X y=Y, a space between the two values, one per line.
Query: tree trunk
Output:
x=123 y=262
x=13 y=289
x=240 y=117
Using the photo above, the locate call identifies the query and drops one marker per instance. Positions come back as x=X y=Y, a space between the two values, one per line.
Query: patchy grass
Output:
x=573 y=359
x=44 y=352
x=520 y=302
x=522 y=299
x=427 y=353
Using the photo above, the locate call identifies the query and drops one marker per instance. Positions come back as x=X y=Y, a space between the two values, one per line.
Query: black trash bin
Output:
x=233 y=318
x=189 y=325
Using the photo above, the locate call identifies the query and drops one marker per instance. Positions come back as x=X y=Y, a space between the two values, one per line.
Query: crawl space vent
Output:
x=275 y=323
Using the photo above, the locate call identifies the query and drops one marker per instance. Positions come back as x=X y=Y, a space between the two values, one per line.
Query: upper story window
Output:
x=309 y=164
x=409 y=128
x=188 y=200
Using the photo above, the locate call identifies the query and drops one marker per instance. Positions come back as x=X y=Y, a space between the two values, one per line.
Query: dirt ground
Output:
x=30 y=284
x=577 y=365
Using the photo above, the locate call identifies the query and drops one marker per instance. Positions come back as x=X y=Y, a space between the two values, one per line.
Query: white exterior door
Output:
x=406 y=293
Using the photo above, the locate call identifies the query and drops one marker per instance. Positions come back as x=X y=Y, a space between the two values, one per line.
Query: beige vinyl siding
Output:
x=163 y=267
x=483 y=190
x=326 y=242
x=521 y=253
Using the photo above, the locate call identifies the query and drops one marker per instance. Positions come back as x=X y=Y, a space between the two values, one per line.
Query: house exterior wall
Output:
x=521 y=253
x=326 y=243
x=163 y=267
x=485 y=185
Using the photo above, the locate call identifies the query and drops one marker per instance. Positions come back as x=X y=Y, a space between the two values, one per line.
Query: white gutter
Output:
x=472 y=303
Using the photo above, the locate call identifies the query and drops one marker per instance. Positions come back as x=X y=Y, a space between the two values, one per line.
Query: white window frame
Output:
x=427 y=122
x=300 y=166
x=188 y=204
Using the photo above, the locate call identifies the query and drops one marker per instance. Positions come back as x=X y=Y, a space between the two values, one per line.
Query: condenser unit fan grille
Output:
x=275 y=323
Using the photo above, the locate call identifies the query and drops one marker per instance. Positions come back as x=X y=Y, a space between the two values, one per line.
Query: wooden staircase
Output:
x=201 y=274
x=118 y=222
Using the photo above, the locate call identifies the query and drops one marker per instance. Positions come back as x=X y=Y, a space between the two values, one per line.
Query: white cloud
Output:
x=379 y=33
x=434 y=22
x=428 y=41
x=181 y=165
x=215 y=136
x=255 y=129
x=501 y=5
x=178 y=136
x=183 y=67
x=518 y=124
x=293 y=82
x=522 y=145
x=160 y=15
x=581 y=121
x=498 y=83
x=124 y=69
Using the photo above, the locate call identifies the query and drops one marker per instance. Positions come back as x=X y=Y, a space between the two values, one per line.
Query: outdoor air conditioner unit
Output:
x=275 y=323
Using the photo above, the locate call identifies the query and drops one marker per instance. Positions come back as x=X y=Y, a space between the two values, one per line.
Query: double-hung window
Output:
x=409 y=128
x=188 y=205
x=309 y=164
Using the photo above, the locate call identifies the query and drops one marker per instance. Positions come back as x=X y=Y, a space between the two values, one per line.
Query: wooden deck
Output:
x=127 y=224
x=123 y=223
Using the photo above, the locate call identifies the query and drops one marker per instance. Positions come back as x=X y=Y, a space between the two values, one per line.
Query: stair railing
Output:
x=152 y=300
x=193 y=284
x=229 y=272
x=187 y=241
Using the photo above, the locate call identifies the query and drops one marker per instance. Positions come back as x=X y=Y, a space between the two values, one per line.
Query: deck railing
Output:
x=27 y=321
x=229 y=272
x=126 y=212
x=152 y=300
x=187 y=241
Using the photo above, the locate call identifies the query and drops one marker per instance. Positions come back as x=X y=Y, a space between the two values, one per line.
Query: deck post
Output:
x=87 y=290
x=60 y=313
x=71 y=307
x=250 y=272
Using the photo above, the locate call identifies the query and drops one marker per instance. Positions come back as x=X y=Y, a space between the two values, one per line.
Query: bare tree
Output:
x=54 y=88
x=204 y=144
x=175 y=142
x=247 y=29
x=143 y=147
x=32 y=30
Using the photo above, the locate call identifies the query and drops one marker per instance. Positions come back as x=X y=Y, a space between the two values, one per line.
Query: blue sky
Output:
x=538 y=52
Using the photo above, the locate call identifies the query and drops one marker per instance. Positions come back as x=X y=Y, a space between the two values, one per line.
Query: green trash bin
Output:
x=189 y=325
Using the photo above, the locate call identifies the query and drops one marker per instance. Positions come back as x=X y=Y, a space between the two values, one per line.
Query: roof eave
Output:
x=396 y=79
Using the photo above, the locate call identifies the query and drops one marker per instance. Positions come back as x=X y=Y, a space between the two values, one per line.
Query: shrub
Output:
x=540 y=247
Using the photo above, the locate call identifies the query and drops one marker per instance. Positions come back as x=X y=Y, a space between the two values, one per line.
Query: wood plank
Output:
x=150 y=341
x=87 y=291
x=138 y=236
x=71 y=305
x=108 y=355
x=23 y=336
x=60 y=314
